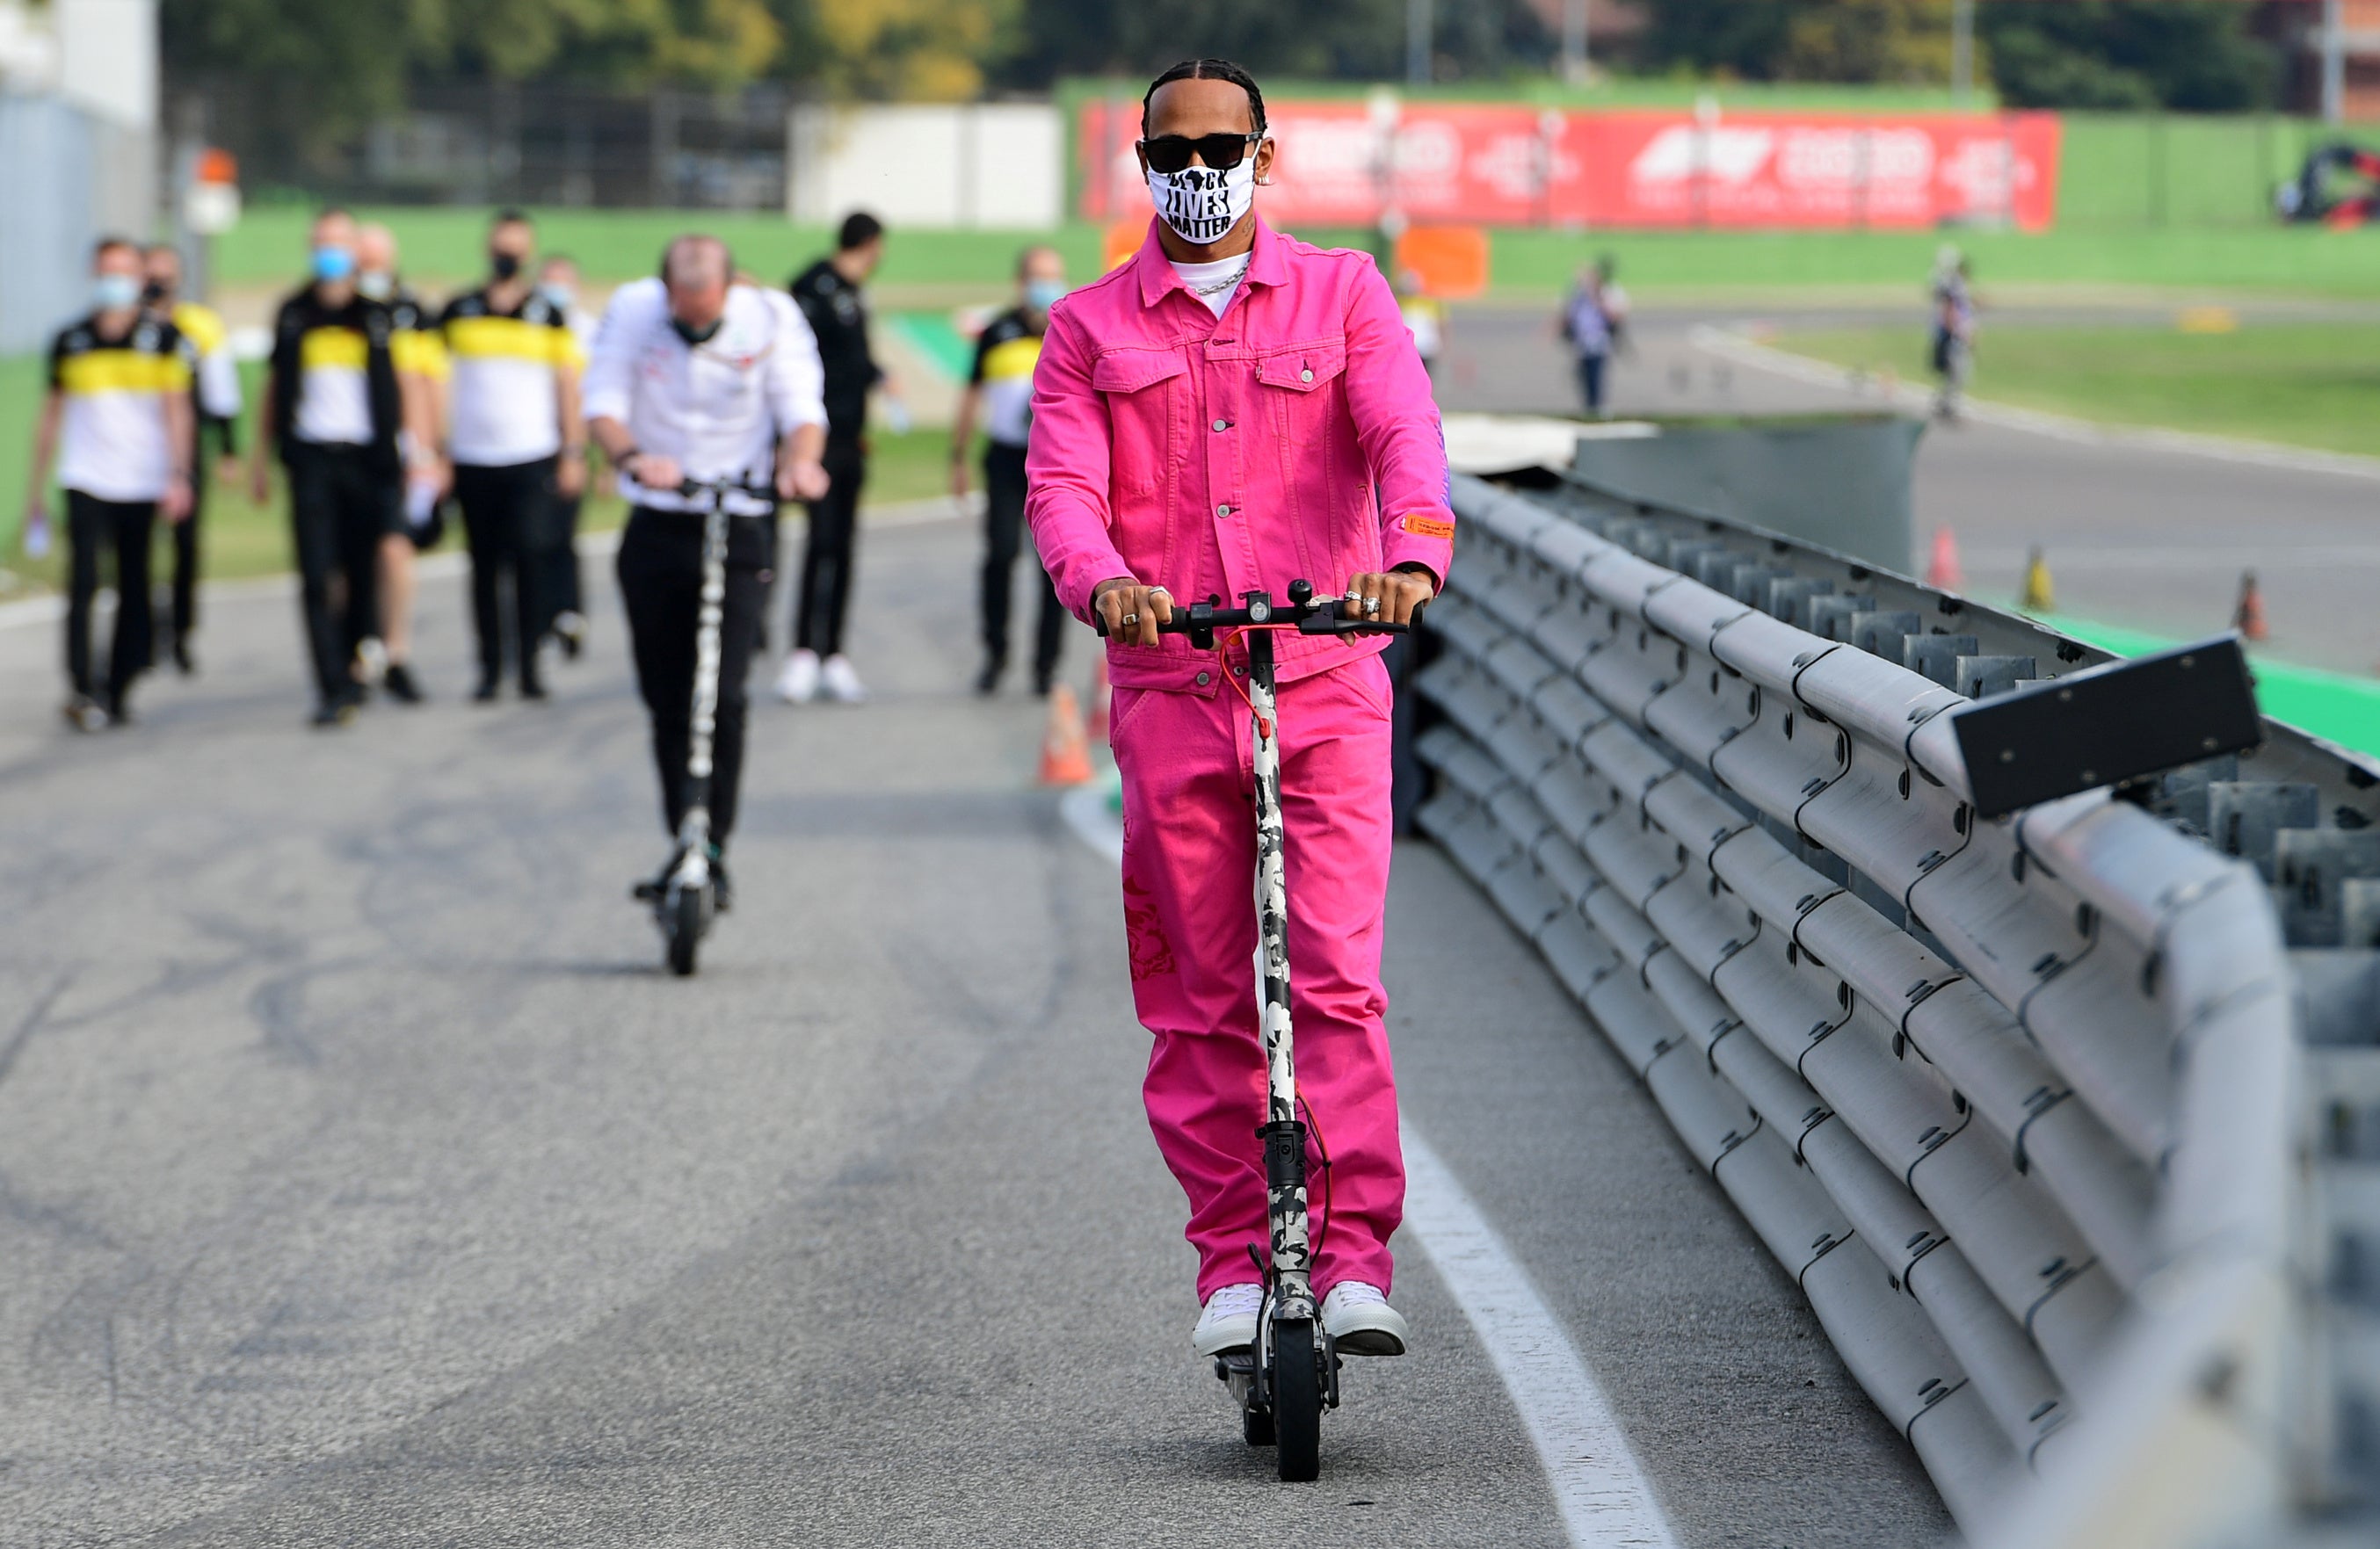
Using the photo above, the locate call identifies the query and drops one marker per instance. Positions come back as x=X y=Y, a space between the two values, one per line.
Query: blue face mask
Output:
x=561 y=297
x=333 y=263
x=112 y=292
x=1043 y=294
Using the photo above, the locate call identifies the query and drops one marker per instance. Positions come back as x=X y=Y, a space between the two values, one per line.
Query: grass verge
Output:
x=2302 y=384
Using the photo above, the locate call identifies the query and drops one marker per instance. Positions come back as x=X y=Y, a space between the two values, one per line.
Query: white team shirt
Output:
x=718 y=407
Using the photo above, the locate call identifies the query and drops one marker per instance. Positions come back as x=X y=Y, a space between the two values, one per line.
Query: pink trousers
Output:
x=1189 y=869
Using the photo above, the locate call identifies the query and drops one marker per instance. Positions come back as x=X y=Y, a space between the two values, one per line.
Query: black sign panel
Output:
x=2108 y=725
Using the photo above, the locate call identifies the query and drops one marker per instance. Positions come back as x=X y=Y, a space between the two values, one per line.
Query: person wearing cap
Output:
x=215 y=397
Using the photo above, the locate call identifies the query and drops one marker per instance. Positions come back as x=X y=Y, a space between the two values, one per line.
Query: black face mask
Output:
x=153 y=293
x=503 y=265
x=693 y=336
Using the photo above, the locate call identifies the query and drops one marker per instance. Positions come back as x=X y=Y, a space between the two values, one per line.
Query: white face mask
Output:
x=1200 y=203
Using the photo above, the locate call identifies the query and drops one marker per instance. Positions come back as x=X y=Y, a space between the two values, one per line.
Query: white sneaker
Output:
x=1359 y=1318
x=799 y=684
x=843 y=684
x=1227 y=1321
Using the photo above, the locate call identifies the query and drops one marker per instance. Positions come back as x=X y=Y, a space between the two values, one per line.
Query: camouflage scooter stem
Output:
x=694 y=830
x=1284 y=1135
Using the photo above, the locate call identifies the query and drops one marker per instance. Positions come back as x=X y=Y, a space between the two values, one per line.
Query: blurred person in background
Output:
x=1953 y=344
x=332 y=412
x=117 y=419
x=830 y=293
x=1314 y=452
x=518 y=446
x=1593 y=321
x=562 y=589
x=414 y=524
x=1425 y=318
x=696 y=376
x=215 y=397
x=1000 y=389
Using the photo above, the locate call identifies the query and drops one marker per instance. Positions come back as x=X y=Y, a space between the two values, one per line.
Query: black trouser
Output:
x=340 y=500
x=185 y=559
x=1590 y=381
x=830 y=552
x=125 y=525
x=555 y=555
x=1003 y=525
x=504 y=523
x=660 y=583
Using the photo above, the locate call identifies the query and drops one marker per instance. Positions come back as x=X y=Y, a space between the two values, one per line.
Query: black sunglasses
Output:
x=1172 y=152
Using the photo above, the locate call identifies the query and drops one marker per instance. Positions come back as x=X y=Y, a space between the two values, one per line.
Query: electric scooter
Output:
x=1284 y=1382
x=686 y=899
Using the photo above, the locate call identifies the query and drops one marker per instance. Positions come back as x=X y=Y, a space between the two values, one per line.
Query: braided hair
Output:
x=1209 y=69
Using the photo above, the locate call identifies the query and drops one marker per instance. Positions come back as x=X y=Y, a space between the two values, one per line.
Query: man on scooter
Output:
x=696 y=376
x=1230 y=411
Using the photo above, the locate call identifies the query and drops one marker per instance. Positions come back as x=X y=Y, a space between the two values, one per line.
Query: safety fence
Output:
x=2058 y=1120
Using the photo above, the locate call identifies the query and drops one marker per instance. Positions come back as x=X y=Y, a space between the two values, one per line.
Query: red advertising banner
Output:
x=1346 y=162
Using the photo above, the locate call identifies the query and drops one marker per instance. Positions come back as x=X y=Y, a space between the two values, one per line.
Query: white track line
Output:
x=1605 y=1500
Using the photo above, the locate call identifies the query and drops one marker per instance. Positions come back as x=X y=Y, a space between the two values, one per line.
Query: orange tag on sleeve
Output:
x=1427 y=526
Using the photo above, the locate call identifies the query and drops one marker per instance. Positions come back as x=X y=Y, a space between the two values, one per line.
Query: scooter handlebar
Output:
x=1201 y=620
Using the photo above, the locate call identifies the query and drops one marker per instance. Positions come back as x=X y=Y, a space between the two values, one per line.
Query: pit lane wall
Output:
x=2065 y=1123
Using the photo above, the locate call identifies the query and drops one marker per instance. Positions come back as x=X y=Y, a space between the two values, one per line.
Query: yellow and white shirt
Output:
x=113 y=442
x=1005 y=352
x=505 y=404
x=209 y=347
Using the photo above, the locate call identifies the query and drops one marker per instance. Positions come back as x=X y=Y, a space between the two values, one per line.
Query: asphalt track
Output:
x=363 y=1181
x=2148 y=538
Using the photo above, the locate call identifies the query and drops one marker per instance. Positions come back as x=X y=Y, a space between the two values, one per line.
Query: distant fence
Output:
x=66 y=176
x=2066 y=1123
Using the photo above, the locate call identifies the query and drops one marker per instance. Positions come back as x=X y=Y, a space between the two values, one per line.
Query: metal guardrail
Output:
x=2056 y=1118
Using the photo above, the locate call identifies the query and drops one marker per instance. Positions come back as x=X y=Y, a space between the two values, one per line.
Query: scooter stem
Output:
x=1284 y=1137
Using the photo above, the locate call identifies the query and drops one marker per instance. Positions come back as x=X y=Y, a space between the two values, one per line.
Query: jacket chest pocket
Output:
x=1304 y=386
x=1146 y=394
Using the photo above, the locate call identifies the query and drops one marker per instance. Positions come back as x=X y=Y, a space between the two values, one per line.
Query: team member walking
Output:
x=332 y=412
x=561 y=590
x=695 y=377
x=828 y=293
x=117 y=419
x=1000 y=387
x=1953 y=350
x=1594 y=320
x=216 y=398
x=1232 y=410
x=413 y=525
x=517 y=446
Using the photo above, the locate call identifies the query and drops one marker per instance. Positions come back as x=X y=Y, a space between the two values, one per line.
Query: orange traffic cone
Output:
x=1065 y=755
x=1943 y=572
x=1101 y=697
x=2039 y=598
x=2248 y=617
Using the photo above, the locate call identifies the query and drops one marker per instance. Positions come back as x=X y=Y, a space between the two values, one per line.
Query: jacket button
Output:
x=1203 y=679
x=1222 y=510
x=1222 y=424
x=1307 y=375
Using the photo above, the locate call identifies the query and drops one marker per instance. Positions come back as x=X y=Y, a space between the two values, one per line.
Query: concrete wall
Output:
x=991 y=165
x=48 y=166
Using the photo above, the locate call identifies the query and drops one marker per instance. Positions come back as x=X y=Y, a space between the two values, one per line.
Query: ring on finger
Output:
x=1371 y=605
x=1131 y=619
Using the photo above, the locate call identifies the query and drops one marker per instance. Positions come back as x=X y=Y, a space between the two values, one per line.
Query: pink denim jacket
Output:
x=1294 y=438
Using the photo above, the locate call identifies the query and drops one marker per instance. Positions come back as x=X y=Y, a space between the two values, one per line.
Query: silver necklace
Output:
x=1227 y=282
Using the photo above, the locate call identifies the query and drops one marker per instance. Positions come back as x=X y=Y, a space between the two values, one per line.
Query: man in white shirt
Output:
x=695 y=377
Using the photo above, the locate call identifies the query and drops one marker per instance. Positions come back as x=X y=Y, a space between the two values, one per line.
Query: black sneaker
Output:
x=1042 y=678
x=183 y=661
x=338 y=712
x=531 y=688
x=570 y=631
x=486 y=692
x=119 y=710
x=987 y=683
x=398 y=683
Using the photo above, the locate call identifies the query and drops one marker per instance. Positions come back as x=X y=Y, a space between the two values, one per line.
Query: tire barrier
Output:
x=2058 y=1119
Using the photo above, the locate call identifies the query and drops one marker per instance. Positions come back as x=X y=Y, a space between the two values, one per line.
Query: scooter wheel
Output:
x=1296 y=1401
x=685 y=931
x=1255 y=1427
